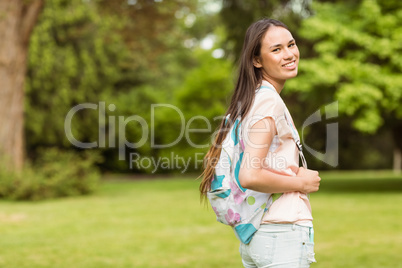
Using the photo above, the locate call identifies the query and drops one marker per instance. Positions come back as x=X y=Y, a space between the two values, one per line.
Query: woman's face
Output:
x=279 y=56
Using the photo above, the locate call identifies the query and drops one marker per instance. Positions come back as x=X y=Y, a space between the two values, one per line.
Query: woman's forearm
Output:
x=263 y=180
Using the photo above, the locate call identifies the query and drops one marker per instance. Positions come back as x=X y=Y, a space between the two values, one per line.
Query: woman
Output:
x=271 y=158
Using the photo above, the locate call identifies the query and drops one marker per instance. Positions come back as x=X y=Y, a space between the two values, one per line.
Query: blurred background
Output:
x=124 y=56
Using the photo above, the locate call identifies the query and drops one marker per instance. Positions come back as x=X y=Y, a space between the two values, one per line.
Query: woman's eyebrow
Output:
x=279 y=45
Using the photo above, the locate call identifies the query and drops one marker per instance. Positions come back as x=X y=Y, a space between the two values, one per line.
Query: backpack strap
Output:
x=296 y=137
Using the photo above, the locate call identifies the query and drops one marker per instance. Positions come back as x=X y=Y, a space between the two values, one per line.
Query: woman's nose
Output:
x=287 y=54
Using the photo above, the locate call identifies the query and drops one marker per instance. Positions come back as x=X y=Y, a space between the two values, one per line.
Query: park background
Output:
x=65 y=206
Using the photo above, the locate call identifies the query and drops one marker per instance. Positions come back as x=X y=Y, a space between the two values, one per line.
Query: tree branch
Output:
x=30 y=13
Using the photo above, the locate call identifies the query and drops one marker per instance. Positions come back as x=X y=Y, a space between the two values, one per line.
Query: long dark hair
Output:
x=249 y=78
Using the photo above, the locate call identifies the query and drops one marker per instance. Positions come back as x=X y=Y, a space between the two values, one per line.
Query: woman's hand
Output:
x=311 y=180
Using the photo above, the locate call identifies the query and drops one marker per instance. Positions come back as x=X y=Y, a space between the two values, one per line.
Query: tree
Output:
x=17 y=20
x=237 y=15
x=356 y=57
x=76 y=57
x=128 y=54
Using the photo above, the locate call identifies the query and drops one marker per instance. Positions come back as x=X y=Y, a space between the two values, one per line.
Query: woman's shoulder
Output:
x=267 y=102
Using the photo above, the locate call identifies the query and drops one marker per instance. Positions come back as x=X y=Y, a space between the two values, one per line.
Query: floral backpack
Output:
x=234 y=205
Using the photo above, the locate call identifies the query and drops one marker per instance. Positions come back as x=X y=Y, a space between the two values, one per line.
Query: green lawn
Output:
x=160 y=223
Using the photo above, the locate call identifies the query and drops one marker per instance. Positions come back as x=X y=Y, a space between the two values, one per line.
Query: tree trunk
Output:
x=17 y=19
x=397 y=161
x=397 y=135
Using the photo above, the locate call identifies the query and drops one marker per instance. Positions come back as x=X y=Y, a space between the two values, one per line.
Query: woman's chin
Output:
x=292 y=74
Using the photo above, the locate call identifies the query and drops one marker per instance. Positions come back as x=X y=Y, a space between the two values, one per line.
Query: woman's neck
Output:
x=278 y=85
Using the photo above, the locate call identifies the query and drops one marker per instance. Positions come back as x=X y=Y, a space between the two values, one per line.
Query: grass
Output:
x=160 y=223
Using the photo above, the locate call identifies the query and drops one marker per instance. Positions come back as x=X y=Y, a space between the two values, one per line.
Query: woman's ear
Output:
x=256 y=62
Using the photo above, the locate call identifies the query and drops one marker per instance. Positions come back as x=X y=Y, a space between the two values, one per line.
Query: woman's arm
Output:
x=252 y=174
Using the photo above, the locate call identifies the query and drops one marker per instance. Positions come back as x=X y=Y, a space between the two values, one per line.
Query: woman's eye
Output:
x=275 y=50
x=293 y=44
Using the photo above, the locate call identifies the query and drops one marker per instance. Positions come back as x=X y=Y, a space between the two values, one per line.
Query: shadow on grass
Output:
x=361 y=185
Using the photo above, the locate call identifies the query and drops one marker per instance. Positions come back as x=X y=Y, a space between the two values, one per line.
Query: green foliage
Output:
x=75 y=57
x=54 y=174
x=132 y=54
x=126 y=55
x=198 y=102
x=202 y=99
x=357 y=58
x=238 y=15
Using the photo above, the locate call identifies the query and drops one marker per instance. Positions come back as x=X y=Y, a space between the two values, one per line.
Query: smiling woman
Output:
x=283 y=235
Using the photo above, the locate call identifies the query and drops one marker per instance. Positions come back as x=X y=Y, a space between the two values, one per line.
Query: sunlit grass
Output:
x=160 y=223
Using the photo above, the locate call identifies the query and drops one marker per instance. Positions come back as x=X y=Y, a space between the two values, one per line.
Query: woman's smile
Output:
x=291 y=65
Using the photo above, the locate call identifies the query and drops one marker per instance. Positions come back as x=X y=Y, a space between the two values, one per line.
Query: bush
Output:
x=54 y=174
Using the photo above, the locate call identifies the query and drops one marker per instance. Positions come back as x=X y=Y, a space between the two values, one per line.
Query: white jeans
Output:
x=279 y=246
